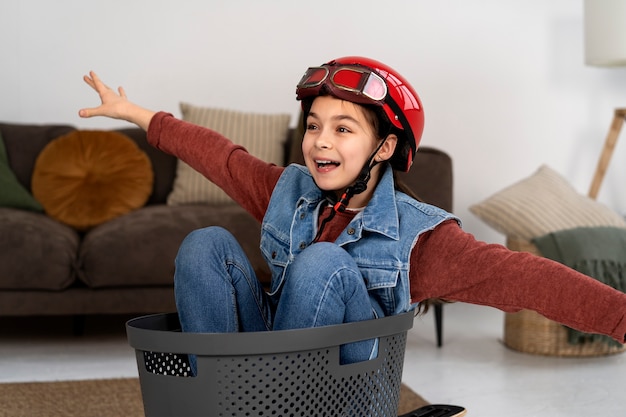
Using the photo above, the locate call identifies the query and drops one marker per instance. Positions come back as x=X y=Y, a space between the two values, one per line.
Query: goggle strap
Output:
x=404 y=123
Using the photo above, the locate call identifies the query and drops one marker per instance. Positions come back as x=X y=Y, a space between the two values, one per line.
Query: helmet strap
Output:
x=340 y=206
x=358 y=187
x=360 y=184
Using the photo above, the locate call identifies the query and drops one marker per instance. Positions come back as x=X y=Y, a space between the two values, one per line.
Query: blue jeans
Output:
x=217 y=290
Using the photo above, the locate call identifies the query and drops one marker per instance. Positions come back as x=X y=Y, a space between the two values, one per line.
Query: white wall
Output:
x=503 y=83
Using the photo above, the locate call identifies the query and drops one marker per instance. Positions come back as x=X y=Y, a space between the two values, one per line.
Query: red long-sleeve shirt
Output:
x=446 y=262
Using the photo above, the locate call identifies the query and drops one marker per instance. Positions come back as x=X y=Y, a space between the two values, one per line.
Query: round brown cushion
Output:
x=87 y=177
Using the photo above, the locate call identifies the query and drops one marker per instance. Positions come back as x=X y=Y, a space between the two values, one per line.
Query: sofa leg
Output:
x=439 y=323
x=78 y=327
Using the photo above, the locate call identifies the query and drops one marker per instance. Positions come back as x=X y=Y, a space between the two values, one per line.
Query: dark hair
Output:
x=382 y=127
x=374 y=114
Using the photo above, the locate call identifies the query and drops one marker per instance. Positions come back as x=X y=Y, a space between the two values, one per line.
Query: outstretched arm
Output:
x=451 y=264
x=115 y=105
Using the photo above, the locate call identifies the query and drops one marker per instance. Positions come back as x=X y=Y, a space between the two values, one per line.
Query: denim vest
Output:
x=379 y=238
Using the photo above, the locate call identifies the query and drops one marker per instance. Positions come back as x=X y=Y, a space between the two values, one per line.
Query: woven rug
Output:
x=101 y=398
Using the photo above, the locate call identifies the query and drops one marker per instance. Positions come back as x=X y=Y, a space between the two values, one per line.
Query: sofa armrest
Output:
x=24 y=142
x=431 y=177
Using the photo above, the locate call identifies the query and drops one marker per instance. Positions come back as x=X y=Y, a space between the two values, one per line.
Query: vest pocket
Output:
x=276 y=255
x=381 y=286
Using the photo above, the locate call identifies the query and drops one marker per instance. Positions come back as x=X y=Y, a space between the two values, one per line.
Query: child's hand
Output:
x=115 y=105
x=112 y=102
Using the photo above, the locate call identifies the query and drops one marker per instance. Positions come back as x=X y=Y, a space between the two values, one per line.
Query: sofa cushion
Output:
x=25 y=142
x=88 y=177
x=263 y=135
x=163 y=165
x=540 y=204
x=139 y=248
x=13 y=193
x=36 y=252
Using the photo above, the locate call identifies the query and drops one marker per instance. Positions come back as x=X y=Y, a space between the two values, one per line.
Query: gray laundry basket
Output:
x=279 y=373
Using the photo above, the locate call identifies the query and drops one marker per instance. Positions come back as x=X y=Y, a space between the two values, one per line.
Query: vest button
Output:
x=302 y=245
x=351 y=231
x=273 y=255
x=302 y=216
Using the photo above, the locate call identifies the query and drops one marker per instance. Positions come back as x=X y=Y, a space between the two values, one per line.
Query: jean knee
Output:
x=323 y=259
x=201 y=242
x=331 y=253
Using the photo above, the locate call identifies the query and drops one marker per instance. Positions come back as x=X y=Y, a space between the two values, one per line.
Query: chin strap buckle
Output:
x=340 y=206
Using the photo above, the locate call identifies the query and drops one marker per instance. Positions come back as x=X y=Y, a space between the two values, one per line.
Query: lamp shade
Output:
x=605 y=32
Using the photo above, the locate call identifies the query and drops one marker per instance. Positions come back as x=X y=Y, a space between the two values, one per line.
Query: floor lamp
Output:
x=607 y=151
x=605 y=46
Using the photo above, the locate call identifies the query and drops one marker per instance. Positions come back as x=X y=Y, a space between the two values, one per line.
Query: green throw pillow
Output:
x=12 y=193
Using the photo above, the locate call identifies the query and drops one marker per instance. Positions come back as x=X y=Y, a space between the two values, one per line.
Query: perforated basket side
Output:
x=308 y=382
x=161 y=333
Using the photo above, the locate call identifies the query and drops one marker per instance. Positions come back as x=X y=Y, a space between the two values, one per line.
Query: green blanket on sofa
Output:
x=599 y=252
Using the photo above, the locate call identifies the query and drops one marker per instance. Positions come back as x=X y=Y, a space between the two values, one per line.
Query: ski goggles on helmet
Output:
x=347 y=82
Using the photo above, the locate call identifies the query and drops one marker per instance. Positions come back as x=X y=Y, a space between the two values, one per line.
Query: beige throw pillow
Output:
x=263 y=135
x=540 y=204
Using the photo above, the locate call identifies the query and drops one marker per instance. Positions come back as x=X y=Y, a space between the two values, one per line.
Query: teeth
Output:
x=325 y=162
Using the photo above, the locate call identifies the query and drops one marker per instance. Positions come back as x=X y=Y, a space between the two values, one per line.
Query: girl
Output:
x=342 y=242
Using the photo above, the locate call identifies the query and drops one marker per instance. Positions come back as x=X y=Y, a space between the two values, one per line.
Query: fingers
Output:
x=87 y=113
x=94 y=82
x=94 y=78
x=89 y=81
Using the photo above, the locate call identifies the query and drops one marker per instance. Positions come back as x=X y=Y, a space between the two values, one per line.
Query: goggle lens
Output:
x=347 y=79
x=313 y=77
x=375 y=87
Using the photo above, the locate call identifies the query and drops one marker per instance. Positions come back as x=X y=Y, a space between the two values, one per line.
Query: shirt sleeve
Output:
x=249 y=181
x=451 y=264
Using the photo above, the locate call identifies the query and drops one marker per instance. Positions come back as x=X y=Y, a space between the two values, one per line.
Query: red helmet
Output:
x=366 y=81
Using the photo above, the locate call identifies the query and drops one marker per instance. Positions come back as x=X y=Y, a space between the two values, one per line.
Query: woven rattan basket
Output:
x=530 y=332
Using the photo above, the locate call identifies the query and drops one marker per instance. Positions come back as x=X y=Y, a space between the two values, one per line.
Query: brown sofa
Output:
x=126 y=265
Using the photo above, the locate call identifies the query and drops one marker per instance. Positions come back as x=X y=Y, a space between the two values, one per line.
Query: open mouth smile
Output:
x=324 y=163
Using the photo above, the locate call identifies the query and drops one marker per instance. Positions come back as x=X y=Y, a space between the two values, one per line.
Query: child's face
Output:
x=338 y=140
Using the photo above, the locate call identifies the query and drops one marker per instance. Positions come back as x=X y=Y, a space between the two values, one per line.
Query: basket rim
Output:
x=161 y=333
